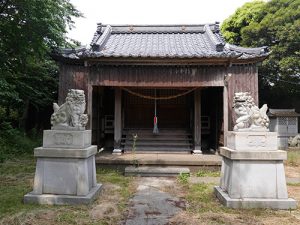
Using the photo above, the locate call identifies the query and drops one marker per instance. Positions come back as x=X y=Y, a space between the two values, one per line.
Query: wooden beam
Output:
x=197 y=122
x=225 y=114
x=89 y=106
x=118 y=121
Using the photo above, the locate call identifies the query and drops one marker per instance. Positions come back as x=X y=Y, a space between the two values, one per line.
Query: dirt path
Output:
x=153 y=203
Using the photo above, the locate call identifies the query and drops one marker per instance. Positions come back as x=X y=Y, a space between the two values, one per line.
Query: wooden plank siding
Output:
x=243 y=78
x=72 y=77
x=157 y=76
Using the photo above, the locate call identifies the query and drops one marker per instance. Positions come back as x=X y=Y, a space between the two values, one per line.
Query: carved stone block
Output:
x=252 y=141
x=66 y=139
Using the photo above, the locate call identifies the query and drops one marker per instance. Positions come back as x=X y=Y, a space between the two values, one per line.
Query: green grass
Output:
x=207 y=173
x=183 y=178
x=206 y=207
x=293 y=158
x=294 y=184
x=16 y=179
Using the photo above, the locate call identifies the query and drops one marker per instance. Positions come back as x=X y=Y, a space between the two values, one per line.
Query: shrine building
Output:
x=172 y=85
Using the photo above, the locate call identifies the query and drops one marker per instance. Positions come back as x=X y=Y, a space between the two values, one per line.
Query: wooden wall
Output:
x=71 y=77
x=244 y=78
x=157 y=76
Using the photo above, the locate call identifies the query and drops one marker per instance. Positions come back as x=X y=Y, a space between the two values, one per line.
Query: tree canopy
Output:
x=29 y=30
x=275 y=23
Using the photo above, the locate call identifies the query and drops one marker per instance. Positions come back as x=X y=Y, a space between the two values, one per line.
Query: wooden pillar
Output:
x=118 y=121
x=197 y=122
x=90 y=107
x=225 y=114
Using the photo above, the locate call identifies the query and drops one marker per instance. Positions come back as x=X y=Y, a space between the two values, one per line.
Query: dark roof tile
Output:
x=163 y=41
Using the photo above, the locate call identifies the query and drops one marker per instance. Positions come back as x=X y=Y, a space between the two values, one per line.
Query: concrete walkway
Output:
x=151 y=204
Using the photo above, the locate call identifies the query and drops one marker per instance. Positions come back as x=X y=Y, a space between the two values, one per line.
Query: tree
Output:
x=29 y=30
x=276 y=24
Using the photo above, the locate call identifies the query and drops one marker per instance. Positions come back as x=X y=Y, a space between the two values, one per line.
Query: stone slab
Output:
x=252 y=141
x=147 y=171
x=65 y=153
x=253 y=178
x=154 y=159
x=253 y=155
x=254 y=202
x=51 y=199
x=70 y=139
x=151 y=205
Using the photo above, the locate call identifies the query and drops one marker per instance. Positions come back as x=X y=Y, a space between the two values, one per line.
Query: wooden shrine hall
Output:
x=171 y=85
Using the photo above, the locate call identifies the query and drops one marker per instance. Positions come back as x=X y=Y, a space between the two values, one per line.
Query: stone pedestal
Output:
x=252 y=174
x=65 y=169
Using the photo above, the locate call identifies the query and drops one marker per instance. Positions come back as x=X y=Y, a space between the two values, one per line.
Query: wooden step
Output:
x=158 y=148
x=162 y=132
x=159 y=138
x=154 y=144
x=159 y=142
x=166 y=141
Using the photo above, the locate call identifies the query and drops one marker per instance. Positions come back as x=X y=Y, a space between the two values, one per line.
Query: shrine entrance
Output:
x=187 y=118
x=173 y=108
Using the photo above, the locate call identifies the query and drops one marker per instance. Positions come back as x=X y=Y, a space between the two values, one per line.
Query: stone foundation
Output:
x=64 y=175
x=253 y=178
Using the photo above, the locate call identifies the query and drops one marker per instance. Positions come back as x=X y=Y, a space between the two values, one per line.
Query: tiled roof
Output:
x=162 y=41
x=283 y=113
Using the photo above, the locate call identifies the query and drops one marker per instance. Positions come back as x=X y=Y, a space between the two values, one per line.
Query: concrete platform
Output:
x=254 y=202
x=50 y=199
x=105 y=158
x=146 y=171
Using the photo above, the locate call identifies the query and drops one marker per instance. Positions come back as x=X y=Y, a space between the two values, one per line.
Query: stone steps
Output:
x=148 y=171
x=166 y=141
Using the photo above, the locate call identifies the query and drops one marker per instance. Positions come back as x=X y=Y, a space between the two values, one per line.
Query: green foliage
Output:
x=14 y=143
x=276 y=24
x=29 y=30
x=250 y=12
x=183 y=178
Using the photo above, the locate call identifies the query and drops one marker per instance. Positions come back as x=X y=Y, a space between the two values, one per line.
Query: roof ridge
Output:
x=219 y=46
x=257 y=50
x=102 y=38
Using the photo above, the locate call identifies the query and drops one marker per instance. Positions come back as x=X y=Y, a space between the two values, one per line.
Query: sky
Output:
x=148 y=12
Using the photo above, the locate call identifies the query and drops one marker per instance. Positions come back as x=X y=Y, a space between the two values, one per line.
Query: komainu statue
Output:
x=294 y=141
x=70 y=115
x=249 y=116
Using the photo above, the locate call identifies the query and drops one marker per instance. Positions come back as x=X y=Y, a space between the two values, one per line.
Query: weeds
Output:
x=293 y=158
x=183 y=178
x=135 y=162
x=207 y=173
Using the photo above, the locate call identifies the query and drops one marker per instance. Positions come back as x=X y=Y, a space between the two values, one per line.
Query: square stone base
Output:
x=67 y=139
x=51 y=199
x=252 y=141
x=254 y=202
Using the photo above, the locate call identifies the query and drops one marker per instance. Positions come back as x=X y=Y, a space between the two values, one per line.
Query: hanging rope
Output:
x=158 y=98
x=155 y=127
